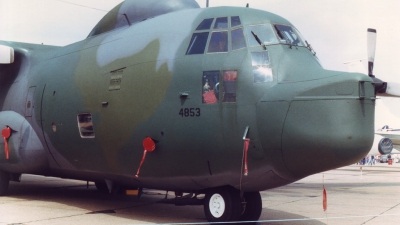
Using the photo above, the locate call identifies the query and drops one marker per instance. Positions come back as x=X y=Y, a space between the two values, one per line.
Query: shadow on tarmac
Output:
x=75 y=194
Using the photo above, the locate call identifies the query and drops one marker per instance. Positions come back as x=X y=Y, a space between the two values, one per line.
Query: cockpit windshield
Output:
x=287 y=35
x=225 y=34
x=267 y=34
x=261 y=35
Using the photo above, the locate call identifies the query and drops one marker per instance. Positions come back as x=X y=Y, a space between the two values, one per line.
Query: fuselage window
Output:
x=238 y=41
x=210 y=87
x=287 y=35
x=264 y=33
x=197 y=43
x=229 y=85
x=205 y=24
x=235 y=21
x=218 y=42
x=85 y=125
x=221 y=23
x=261 y=70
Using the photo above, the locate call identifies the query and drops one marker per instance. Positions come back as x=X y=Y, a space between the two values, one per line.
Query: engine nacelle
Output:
x=381 y=146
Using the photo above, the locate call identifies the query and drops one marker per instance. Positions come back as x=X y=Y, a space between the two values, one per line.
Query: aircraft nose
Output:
x=329 y=126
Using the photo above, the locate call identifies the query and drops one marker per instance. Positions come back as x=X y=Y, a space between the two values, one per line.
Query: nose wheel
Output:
x=217 y=205
x=224 y=204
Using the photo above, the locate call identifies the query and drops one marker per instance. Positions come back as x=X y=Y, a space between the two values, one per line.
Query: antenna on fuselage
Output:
x=207 y=3
x=127 y=19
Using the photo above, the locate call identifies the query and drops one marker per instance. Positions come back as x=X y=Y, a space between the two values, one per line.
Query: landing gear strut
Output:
x=4 y=181
x=224 y=204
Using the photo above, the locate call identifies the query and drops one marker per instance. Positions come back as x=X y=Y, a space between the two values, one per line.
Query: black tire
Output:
x=253 y=206
x=4 y=182
x=101 y=186
x=222 y=205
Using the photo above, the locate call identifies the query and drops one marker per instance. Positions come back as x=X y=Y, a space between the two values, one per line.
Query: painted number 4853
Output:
x=189 y=112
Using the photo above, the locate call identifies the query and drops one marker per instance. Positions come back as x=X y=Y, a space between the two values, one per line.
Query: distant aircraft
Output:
x=383 y=145
x=223 y=101
x=392 y=134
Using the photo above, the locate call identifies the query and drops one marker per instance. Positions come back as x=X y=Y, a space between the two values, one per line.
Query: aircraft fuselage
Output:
x=82 y=111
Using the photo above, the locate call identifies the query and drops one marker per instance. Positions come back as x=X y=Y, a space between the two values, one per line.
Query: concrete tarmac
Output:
x=370 y=196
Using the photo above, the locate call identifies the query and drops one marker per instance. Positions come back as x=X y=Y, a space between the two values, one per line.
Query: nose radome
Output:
x=329 y=126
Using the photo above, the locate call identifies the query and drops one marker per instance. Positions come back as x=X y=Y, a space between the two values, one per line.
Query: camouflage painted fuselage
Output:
x=137 y=81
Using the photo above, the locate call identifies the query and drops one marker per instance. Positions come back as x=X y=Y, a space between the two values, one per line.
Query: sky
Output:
x=336 y=29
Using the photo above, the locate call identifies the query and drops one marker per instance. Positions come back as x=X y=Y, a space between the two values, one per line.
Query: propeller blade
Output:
x=393 y=89
x=371 y=44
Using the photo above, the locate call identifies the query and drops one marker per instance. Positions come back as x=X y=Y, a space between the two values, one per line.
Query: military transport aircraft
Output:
x=218 y=102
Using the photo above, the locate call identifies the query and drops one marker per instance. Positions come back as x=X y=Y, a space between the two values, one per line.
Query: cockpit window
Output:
x=205 y=24
x=262 y=71
x=218 y=42
x=229 y=85
x=197 y=43
x=287 y=35
x=210 y=87
x=235 y=21
x=221 y=23
x=227 y=34
x=263 y=32
x=238 y=41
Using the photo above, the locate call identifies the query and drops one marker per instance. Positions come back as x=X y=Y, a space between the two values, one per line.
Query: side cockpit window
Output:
x=211 y=87
x=229 y=85
x=197 y=43
x=287 y=35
